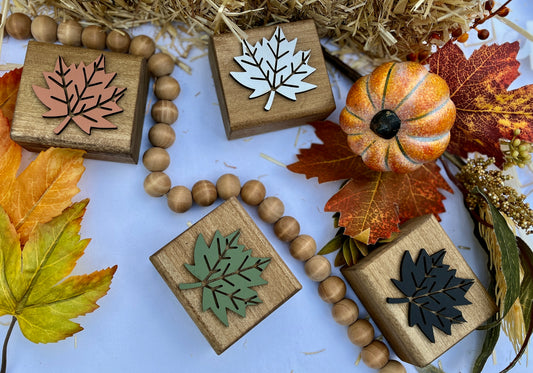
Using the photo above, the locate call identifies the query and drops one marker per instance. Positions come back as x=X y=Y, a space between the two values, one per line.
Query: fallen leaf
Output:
x=9 y=87
x=486 y=110
x=35 y=291
x=10 y=155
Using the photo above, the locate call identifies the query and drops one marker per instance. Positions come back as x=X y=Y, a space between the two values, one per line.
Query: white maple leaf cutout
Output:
x=271 y=66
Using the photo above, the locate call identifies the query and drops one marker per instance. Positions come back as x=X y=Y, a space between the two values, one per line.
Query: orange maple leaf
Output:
x=486 y=110
x=9 y=87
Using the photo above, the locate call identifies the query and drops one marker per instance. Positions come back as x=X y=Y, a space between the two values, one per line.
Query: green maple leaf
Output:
x=226 y=272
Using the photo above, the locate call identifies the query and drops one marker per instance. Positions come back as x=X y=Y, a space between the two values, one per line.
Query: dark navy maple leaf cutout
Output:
x=432 y=291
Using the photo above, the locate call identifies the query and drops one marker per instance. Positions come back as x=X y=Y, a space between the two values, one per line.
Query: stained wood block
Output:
x=36 y=133
x=171 y=259
x=371 y=281
x=246 y=117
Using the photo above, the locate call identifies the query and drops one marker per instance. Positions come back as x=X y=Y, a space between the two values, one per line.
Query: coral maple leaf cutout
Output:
x=271 y=66
x=371 y=204
x=432 y=291
x=486 y=110
x=80 y=93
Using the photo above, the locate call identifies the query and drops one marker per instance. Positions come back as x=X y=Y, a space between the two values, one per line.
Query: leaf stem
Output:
x=62 y=125
x=6 y=340
x=270 y=100
x=192 y=285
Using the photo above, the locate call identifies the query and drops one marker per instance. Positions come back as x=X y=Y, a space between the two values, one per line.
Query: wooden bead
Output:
x=156 y=159
x=317 y=268
x=345 y=312
x=93 y=37
x=332 y=289
x=253 y=192
x=393 y=366
x=228 y=185
x=44 y=28
x=361 y=333
x=142 y=46
x=164 y=111
x=179 y=199
x=375 y=355
x=118 y=41
x=287 y=228
x=160 y=64
x=303 y=247
x=271 y=209
x=157 y=184
x=161 y=135
x=18 y=26
x=69 y=33
x=166 y=88
x=204 y=193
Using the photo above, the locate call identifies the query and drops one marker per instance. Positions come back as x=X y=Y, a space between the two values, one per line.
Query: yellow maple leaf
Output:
x=34 y=290
x=10 y=155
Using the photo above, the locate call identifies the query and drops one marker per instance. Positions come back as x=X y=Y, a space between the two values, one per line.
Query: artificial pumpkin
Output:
x=398 y=117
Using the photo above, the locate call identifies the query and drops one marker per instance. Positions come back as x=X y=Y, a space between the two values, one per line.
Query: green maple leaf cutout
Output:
x=432 y=291
x=226 y=272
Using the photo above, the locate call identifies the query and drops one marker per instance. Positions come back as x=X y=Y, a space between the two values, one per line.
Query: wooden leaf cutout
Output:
x=272 y=66
x=432 y=291
x=81 y=94
x=226 y=272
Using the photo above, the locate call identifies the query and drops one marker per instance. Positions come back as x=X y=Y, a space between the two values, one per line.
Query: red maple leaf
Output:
x=80 y=93
x=372 y=204
x=486 y=110
x=9 y=87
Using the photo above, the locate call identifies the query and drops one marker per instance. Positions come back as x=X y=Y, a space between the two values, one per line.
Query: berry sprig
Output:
x=482 y=34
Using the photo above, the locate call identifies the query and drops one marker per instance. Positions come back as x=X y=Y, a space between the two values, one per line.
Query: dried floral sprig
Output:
x=516 y=151
x=492 y=182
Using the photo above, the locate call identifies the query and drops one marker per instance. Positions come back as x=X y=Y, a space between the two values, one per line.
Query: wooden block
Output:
x=371 y=281
x=227 y=218
x=36 y=133
x=246 y=117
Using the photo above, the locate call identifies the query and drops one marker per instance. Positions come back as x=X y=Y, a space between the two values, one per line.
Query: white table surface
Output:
x=141 y=327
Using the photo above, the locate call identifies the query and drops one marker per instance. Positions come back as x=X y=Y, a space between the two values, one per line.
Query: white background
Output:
x=141 y=327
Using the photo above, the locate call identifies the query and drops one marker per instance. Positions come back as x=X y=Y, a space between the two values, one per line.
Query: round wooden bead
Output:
x=332 y=289
x=164 y=111
x=93 y=37
x=393 y=366
x=303 y=247
x=44 y=28
x=287 y=228
x=361 y=333
x=375 y=355
x=142 y=46
x=345 y=312
x=317 y=268
x=228 y=185
x=160 y=64
x=253 y=192
x=18 y=26
x=156 y=159
x=204 y=193
x=157 y=184
x=161 y=135
x=179 y=199
x=69 y=33
x=118 y=41
x=166 y=88
x=271 y=209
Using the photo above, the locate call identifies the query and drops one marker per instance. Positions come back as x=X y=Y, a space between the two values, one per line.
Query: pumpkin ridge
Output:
x=353 y=114
x=406 y=97
x=368 y=147
x=429 y=139
x=403 y=151
x=434 y=110
x=368 y=93
x=386 y=85
x=387 y=158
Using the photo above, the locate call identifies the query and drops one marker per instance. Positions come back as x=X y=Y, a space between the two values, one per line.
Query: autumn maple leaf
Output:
x=371 y=204
x=486 y=110
x=9 y=87
x=81 y=94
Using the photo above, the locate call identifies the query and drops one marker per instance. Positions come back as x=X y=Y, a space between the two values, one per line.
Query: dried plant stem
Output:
x=6 y=341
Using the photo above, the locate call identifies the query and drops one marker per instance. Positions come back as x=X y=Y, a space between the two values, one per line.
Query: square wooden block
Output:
x=243 y=116
x=171 y=259
x=371 y=281
x=35 y=133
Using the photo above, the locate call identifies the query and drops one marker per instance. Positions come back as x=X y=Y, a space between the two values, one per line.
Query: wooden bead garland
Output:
x=18 y=26
x=94 y=37
x=160 y=64
x=332 y=289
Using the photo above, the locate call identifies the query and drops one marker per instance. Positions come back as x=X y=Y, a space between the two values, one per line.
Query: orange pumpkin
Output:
x=398 y=117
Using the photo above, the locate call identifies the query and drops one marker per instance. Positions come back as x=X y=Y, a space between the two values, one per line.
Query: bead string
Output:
x=302 y=247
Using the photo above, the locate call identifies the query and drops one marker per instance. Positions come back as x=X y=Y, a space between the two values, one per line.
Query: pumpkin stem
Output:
x=385 y=124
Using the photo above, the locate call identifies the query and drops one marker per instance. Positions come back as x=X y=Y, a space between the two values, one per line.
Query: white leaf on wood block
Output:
x=272 y=66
